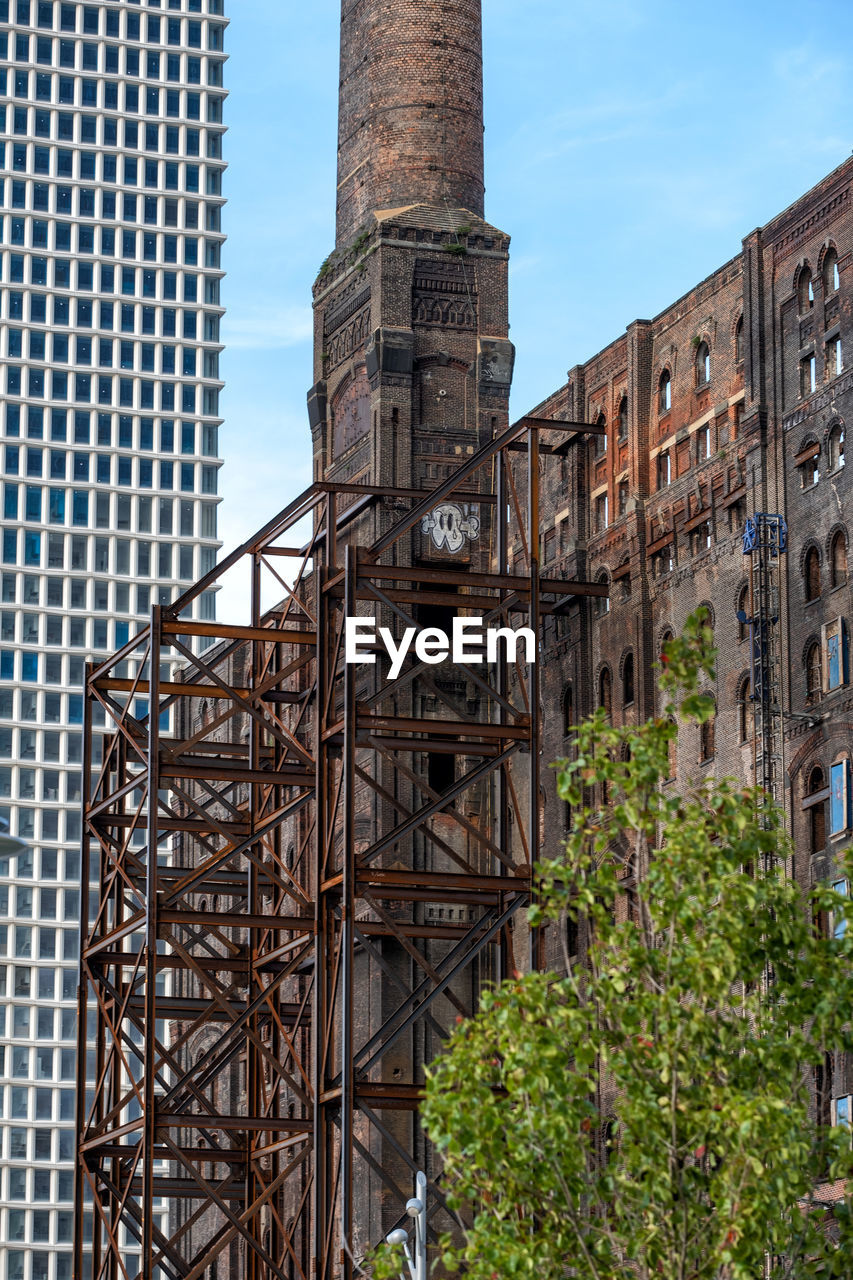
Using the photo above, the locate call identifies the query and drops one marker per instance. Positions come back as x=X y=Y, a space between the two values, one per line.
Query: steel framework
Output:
x=297 y=892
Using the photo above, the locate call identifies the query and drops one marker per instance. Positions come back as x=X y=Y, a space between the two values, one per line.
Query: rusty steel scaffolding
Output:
x=298 y=894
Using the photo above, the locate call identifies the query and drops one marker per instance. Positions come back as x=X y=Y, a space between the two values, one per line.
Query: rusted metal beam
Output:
x=294 y=831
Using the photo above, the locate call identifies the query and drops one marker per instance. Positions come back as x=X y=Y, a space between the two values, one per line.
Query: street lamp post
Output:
x=416 y=1208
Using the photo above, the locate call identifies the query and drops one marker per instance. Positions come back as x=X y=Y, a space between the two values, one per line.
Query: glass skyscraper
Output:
x=110 y=243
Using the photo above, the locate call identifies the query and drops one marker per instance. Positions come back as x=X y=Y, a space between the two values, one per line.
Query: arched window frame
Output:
x=672 y=754
x=602 y=603
x=628 y=691
x=605 y=690
x=600 y=440
x=838 y=559
x=829 y=271
x=835 y=447
x=816 y=808
x=811 y=575
x=814 y=673
x=665 y=392
x=743 y=710
x=703 y=364
x=708 y=738
x=743 y=608
x=805 y=290
x=739 y=341
x=568 y=709
x=623 y=419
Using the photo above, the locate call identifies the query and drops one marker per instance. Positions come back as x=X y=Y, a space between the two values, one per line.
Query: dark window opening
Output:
x=568 y=710
x=441 y=771
x=601 y=440
x=623 y=418
x=838 y=560
x=605 y=691
x=812 y=574
x=628 y=680
x=708 y=739
x=814 y=674
x=817 y=811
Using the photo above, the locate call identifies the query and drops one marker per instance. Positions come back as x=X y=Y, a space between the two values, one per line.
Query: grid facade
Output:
x=111 y=123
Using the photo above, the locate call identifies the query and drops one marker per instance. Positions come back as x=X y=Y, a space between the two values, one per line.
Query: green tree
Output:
x=648 y=1114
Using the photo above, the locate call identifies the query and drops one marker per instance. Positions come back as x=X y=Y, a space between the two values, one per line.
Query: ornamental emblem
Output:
x=449 y=525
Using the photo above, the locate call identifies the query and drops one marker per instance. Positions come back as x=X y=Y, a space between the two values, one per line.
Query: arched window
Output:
x=811 y=573
x=805 y=290
x=814 y=673
x=665 y=392
x=568 y=710
x=816 y=809
x=602 y=603
x=830 y=272
x=672 y=753
x=743 y=613
x=601 y=439
x=605 y=690
x=703 y=363
x=739 y=340
x=628 y=680
x=743 y=710
x=838 y=560
x=708 y=738
x=623 y=418
x=836 y=447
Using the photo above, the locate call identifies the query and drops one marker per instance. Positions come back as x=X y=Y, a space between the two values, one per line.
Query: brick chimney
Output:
x=410 y=128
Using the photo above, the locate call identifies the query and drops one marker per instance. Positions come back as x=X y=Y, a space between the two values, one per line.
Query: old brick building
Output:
x=732 y=401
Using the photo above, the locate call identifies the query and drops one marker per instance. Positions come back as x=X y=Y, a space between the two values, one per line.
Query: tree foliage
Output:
x=648 y=1113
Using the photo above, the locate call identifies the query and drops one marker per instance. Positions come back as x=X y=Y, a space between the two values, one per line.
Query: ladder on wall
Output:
x=765 y=540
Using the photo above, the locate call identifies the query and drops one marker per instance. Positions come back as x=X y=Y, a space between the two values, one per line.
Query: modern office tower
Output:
x=109 y=343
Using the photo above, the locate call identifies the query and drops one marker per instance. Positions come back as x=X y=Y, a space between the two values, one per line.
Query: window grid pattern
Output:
x=111 y=128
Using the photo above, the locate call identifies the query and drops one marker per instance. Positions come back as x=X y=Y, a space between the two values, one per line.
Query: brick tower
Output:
x=412 y=360
x=410 y=128
x=412 y=367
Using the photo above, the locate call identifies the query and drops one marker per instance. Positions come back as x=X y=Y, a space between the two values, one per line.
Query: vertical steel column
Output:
x=149 y=1133
x=534 y=682
x=347 y=928
x=504 y=834
x=321 y=955
x=80 y=1101
x=254 y=1067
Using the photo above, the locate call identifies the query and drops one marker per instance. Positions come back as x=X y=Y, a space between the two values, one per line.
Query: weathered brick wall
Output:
x=411 y=108
x=804 y=240
x=736 y=444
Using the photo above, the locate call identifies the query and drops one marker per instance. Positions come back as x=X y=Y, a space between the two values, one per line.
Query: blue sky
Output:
x=630 y=145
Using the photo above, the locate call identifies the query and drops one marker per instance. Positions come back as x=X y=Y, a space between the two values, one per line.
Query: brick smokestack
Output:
x=410 y=126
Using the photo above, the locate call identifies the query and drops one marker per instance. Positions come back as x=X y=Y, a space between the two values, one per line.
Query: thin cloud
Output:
x=266 y=328
x=805 y=67
x=593 y=125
